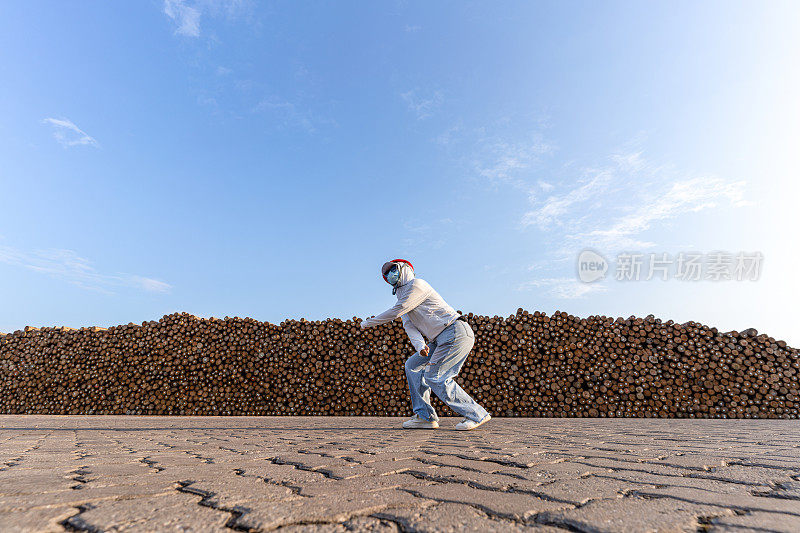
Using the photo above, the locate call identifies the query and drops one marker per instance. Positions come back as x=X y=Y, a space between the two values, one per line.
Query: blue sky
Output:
x=264 y=159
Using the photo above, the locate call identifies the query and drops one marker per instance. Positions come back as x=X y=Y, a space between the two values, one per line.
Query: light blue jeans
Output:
x=448 y=351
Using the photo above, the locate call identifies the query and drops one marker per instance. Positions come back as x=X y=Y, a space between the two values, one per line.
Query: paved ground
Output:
x=104 y=473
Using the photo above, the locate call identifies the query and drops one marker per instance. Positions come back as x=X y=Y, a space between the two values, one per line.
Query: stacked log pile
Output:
x=528 y=364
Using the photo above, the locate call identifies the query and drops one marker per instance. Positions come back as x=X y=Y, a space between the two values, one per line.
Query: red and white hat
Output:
x=388 y=265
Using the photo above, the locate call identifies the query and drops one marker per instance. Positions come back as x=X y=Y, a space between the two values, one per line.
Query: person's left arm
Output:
x=415 y=336
x=405 y=303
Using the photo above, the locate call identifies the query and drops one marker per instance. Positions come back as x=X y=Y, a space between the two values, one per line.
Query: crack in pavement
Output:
x=152 y=464
x=467 y=468
x=509 y=475
x=207 y=460
x=504 y=462
x=475 y=485
x=732 y=507
x=79 y=477
x=705 y=523
x=76 y=523
x=482 y=508
x=305 y=468
x=296 y=489
x=236 y=512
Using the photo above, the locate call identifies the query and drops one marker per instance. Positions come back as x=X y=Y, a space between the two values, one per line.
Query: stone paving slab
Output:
x=335 y=474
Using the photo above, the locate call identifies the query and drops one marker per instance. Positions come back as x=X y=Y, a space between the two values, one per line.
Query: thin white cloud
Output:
x=424 y=236
x=506 y=151
x=681 y=197
x=423 y=105
x=613 y=207
x=412 y=28
x=207 y=101
x=631 y=161
x=416 y=228
x=556 y=207
x=150 y=285
x=289 y=113
x=563 y=288
x=685 y=196
x=533 y=193
x=69 y=266
x=185 y=17
x=500 y=160
x=449 y=136
x=616 y=183
x=68 y=134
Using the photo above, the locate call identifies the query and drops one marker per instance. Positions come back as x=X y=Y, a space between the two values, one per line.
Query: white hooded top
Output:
x=424 y=312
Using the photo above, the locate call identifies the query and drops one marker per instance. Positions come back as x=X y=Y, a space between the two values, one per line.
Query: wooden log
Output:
x=527 y=364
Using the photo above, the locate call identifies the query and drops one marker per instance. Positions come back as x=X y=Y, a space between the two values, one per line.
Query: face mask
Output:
x=393 y=276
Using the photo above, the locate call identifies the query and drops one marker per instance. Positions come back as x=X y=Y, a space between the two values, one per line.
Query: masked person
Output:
x=432 y=368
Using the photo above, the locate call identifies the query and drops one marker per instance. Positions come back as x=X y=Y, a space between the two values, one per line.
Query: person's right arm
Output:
x=407 y=301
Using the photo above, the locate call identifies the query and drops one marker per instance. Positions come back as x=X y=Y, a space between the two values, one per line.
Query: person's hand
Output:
x=424 y=352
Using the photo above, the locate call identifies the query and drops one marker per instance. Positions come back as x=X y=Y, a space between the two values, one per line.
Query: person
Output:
x=435 y=364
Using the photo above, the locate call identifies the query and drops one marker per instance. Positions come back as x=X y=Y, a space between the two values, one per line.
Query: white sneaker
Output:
x=467 y=424
x=416 y=422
